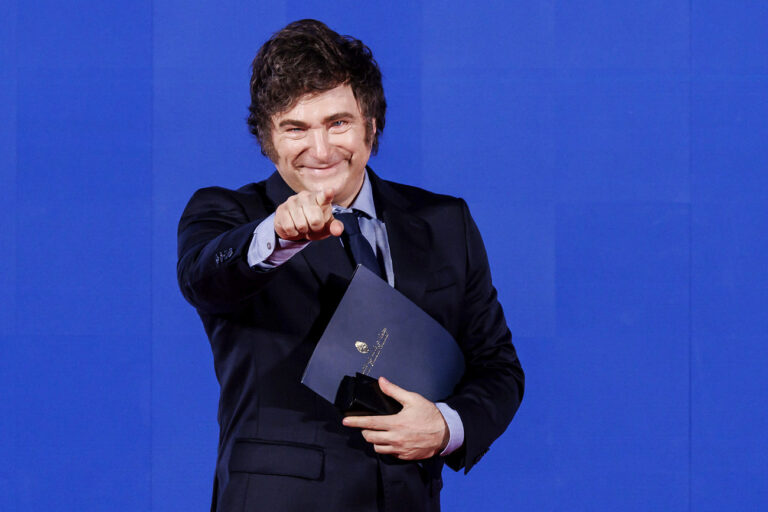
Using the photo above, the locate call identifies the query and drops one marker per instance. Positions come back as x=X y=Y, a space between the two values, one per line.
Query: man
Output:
x=265 y=266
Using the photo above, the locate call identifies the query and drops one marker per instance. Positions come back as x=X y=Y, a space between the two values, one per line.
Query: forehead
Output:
x=317 y=106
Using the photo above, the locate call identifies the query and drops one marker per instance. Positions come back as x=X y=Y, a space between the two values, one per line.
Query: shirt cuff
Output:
x=455 y=428
x=267 y=250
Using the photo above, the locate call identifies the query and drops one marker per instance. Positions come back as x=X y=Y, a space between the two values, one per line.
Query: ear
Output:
x=373 y=121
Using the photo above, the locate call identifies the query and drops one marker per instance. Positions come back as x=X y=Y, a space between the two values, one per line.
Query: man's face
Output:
x=321 y=143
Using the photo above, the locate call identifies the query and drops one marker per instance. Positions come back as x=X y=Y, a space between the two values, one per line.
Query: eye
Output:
x=339 y=123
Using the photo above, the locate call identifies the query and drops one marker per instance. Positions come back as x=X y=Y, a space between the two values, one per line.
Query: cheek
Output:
x=351 y=140
x=290 y=157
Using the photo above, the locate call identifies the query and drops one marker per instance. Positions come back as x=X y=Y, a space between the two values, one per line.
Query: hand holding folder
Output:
x=418 y=431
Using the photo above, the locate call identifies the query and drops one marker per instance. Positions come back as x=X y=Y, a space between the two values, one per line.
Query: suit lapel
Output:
x=324 y=257
x=408 y=238
x=277 y=189
x=327 y=258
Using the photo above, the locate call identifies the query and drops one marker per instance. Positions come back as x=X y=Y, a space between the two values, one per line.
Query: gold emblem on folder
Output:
x=361 y=347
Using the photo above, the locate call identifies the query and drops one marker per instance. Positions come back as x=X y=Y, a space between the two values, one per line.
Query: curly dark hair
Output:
x=307 y=57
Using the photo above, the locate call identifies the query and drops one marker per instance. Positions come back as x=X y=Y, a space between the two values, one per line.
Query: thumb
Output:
x=336 y=227
x=390 y=389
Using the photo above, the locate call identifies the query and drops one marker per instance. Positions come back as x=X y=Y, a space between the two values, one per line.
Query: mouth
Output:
x=321 y=170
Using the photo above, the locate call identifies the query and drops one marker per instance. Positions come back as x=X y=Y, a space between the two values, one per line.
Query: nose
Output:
x=321 y=148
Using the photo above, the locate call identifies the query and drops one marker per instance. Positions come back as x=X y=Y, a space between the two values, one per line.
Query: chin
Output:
x=316 y=184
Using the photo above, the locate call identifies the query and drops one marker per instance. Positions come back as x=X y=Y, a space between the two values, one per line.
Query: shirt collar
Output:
x=364 y=199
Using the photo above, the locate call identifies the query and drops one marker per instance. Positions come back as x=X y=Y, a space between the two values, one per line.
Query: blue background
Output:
x=614 y=155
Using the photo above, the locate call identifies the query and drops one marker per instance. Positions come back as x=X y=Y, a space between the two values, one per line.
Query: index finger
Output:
x=368 y=422
x=324 y=197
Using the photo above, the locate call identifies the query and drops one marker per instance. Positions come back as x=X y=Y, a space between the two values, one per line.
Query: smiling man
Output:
x=321 y=147
x=265 y=266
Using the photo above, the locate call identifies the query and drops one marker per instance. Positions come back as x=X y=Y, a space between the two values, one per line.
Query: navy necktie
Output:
x=357 y=243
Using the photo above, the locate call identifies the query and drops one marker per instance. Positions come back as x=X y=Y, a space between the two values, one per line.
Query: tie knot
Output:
x=349 y=219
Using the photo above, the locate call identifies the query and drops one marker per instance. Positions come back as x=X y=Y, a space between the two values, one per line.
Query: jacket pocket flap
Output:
x=277 y=458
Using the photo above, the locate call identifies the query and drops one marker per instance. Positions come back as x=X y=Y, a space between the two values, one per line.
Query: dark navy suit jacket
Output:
x=281 y=446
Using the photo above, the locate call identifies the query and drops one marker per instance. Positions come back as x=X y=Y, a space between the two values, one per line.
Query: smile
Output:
x=322 y=170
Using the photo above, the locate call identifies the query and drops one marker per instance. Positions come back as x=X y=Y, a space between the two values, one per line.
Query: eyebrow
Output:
x=329 y=119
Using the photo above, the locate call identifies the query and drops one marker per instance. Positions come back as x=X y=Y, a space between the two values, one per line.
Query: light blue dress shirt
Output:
x=268 y=251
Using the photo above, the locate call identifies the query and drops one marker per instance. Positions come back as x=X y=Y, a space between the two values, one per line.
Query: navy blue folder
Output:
x=376 y=331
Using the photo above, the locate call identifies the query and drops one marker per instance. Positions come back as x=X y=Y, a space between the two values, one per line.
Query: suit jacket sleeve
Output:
x=490 y=392
x=215 y=232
